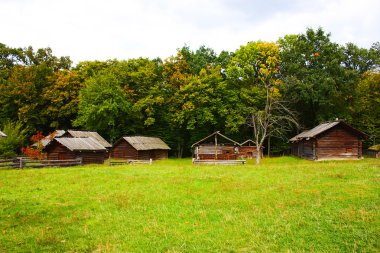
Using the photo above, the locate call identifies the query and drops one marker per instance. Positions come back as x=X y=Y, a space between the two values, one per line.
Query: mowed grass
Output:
x=283 y=205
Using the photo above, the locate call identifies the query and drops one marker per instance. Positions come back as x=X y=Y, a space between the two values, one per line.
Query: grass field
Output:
x=283 y=205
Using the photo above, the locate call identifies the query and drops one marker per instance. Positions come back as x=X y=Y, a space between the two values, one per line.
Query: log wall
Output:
x=124 y=150
x=57 y=151
x=207 y=152
x=338 y=143
x=304 y=149
x=248 y=152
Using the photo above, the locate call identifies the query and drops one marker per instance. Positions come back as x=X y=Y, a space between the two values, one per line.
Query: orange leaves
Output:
x=37 y=137
x=35 y=153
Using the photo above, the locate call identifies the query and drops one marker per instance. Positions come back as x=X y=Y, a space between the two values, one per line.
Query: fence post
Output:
x=150 y=161
x=21 y=163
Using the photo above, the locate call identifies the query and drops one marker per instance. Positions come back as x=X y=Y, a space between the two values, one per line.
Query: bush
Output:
x=11 y=145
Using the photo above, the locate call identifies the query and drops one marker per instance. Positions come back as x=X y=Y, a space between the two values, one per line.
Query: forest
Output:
x=193 y=93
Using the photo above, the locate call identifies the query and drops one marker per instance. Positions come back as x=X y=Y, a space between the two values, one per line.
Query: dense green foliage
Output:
x=283 y=205
x=193 y=93
x=16 y=136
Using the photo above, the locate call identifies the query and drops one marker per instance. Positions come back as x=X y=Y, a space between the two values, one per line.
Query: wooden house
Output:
x=248 y=149
x=88 y=149
x=331 y=140
x=212 y=148
x=2 y=134
x=140 y=148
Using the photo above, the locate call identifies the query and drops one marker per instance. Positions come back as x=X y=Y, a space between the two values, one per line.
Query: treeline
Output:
x=193 y=93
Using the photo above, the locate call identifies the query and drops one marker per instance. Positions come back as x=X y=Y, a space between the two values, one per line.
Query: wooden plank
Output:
x=131 y=162
x=219 y=162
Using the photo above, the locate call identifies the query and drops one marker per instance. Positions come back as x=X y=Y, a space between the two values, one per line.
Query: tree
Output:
x=103 y=106
x=62 y=99
x=315 y=79
x=366 y=106
x=35 y=152
x=11 y=145
x=256 y=67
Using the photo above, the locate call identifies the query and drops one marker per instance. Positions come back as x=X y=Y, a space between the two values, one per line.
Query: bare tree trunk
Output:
x=258 y=156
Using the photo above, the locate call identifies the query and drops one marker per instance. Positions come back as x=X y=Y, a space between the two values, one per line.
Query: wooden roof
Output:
x=95 y=135
x=146 y=143
x=248 y=143
x=215 y=134
x=2 y=134
x=321 y=128
x=45 y=141
x=81 y=144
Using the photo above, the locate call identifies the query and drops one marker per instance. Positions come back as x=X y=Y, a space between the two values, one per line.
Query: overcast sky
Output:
x=123 y=29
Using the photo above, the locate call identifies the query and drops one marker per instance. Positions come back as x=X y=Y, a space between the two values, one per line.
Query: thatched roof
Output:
x=215 y=134
x=81 y=144
x=375 y=147
x=146 y=143
x=2 y=134
x=95 y=135
x=321 y=128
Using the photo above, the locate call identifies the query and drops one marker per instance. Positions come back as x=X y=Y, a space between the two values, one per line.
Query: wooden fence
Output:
x=22 y=162
x=219 y=162
x=7 y=162
x=131 y=162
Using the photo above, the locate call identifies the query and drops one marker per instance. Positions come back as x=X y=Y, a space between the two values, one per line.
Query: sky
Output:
x=88 y=30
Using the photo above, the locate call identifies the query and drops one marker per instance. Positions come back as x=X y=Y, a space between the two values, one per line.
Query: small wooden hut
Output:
x=374 y=151
x=88 y=149
x=2 y=134
x=140 y=148
x=331 y=140
x=211 y=148
x=248 y=150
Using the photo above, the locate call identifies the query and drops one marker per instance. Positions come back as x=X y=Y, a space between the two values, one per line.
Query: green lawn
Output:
x=283 y=205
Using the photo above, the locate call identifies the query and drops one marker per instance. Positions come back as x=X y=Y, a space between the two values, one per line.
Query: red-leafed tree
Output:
x=35 y=152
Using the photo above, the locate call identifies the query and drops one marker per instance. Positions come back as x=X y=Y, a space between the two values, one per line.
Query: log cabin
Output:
x=88 y=149
x=2 y=134
x=248 y=149
x=212 y=148
x=140 y=148
x=329 y=141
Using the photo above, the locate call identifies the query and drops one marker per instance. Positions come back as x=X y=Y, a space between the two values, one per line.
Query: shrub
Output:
x=10 y=145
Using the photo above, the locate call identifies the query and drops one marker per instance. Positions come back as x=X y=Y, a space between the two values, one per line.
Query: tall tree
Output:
x=366 y=106
x=103 y=106
x=256 y=66
x=315 y=79
x=62 y=99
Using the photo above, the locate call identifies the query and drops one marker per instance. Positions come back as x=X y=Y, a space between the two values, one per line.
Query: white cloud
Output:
x=89 y=30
